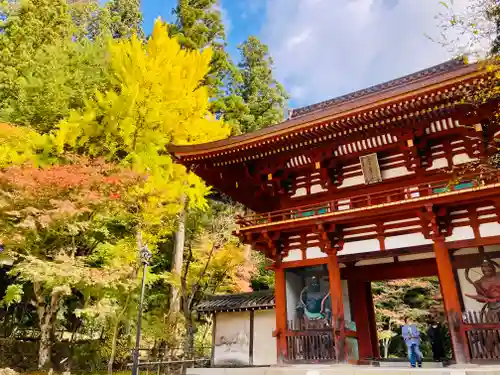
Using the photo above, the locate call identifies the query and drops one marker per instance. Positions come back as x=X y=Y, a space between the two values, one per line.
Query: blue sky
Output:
x=326 y=48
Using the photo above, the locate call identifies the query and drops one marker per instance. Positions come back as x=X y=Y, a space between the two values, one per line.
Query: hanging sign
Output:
x=370 y=168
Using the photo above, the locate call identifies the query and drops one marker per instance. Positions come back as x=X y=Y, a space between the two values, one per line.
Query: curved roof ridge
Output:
x=439 y=68
x=407 y=85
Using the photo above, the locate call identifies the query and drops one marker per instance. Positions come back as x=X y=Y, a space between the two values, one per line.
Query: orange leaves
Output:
x=83 y=180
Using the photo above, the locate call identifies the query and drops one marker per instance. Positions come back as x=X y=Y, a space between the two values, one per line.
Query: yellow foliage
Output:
x=158 y=98
x=18 y=145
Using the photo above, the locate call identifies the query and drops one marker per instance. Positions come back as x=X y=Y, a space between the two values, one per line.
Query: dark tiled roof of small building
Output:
x=260 y=300
x=437 y=69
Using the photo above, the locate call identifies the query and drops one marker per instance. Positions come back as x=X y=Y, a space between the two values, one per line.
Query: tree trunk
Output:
x=46 y=316
x=115 y=334
x=113 y=347
x=386 y=348
x=45 y=349
x=180 y=237
x=190 y=336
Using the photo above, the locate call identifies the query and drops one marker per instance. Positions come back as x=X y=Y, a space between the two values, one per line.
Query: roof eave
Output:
x=295 y=124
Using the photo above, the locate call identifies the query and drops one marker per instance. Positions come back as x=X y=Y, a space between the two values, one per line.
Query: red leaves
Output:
x=82 y=179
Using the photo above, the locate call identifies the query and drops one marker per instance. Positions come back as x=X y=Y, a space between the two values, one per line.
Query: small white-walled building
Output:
x=241 y=324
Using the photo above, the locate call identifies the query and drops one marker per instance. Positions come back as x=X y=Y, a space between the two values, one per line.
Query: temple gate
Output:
x=383 y=183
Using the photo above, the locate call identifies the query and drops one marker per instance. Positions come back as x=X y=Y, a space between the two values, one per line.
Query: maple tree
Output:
x=56 y=224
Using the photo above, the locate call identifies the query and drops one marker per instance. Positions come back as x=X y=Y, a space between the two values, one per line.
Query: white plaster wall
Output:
x=264 y=344
x=352 y=181
x=300 y=192
x=369 y=262
x=317 y=189
x=412 y=239
x=405 y=258
x=363 y=246
x=232 y=338
x=293 y=255
x=489 y=229
x=395 y=172
x=461 y=159
x=467 y=251
x=461 y=233
x=314 y=253
x=438 y=163
x=491 y=248
x=293 y=288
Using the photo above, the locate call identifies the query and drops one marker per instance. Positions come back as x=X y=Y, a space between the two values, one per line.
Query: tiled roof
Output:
x=438 y=69
x=260 y=300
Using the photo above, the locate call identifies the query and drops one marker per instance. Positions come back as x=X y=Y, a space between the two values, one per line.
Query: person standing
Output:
x=411 y=336
x=436 y=337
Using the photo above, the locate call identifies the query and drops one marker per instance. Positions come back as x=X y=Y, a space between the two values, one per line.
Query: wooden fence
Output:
x=310 y=346
x=483 y=332
x=313 y=341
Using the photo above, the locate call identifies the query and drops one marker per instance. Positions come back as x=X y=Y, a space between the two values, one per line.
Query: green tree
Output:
x=27 y=29
x=125 y=18
x=212 y=261
x=199 y=25
x=61 y=77
x=48 y=65
x=261 y=99
x=396 y=300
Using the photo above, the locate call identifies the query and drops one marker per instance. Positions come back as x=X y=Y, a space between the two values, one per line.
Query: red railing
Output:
x=483 y=332
x=369 y=199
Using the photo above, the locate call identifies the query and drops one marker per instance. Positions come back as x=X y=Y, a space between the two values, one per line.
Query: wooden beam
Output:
x=252 y=336
x=391 y=271
x=280 y=301
x=451 y=300
x=214 y=337
x=337 y=298
x=364 y=316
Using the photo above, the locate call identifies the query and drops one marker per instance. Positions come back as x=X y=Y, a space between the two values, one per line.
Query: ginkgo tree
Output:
x=157 y=99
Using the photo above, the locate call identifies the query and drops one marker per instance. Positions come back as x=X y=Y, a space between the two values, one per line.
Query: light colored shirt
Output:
x=410 y=334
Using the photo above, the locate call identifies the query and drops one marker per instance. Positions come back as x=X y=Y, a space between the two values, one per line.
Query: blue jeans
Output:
x=414 y=355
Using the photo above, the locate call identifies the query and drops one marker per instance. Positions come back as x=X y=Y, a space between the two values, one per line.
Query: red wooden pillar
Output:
x=363 y=311
x=336 y=296
x=280 y=302
x=452 y=307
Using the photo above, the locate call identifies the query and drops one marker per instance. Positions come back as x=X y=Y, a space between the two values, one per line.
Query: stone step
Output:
x=345 y=370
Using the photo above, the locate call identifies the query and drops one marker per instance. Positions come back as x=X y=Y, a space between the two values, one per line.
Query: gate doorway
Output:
x=417 y=300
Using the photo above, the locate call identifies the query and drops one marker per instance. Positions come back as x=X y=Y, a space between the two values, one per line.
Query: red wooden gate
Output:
x=483 y=332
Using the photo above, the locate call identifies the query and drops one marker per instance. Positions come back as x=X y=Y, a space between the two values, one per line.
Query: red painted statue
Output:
x=487 y=287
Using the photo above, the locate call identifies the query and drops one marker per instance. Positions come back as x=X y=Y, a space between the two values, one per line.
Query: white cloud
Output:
x=328 y=48
x=297 y=40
